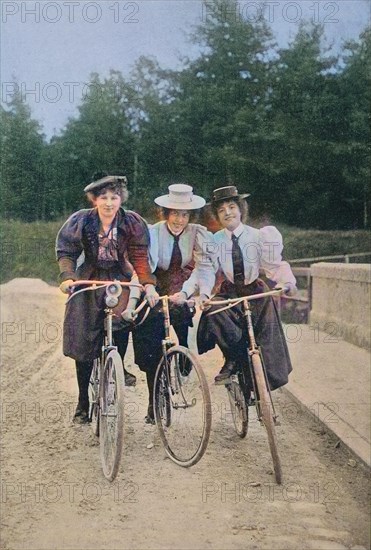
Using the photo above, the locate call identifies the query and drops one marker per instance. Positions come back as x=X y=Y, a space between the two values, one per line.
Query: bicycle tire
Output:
x=111 y=413
x=265 y=407
x=238 y=407
x=94 y=397
x=185 y=427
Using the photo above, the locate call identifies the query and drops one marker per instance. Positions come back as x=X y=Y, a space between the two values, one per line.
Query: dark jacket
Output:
x=79 y=235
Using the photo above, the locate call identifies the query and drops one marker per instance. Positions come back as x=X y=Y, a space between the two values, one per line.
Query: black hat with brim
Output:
x=104 y=182
x=227 y=193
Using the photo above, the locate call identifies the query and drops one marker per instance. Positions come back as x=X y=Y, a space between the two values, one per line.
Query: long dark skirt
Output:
x=83 y=328
x=227 y=329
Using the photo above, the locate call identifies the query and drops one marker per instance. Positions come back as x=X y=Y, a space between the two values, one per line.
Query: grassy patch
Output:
x=27 y=249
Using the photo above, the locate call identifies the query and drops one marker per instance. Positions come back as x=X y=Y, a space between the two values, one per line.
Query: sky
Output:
x=49 y=48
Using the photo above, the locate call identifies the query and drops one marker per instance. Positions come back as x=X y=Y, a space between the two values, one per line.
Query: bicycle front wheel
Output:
x=239 y=409
x=111 y=415
x=94 y=397
x=182 y=406
x=266 y=413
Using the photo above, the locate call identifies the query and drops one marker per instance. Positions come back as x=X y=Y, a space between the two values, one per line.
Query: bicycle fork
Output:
x=254 y=349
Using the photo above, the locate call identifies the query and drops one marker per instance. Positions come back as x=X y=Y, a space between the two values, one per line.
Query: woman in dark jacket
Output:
x=104 y=243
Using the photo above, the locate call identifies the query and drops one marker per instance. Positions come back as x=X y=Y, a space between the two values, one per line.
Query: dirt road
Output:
x=55 y=497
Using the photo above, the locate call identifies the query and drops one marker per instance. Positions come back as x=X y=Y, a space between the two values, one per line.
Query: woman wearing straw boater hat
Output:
x=180 y=262
x=104 y=242
x=242 y=251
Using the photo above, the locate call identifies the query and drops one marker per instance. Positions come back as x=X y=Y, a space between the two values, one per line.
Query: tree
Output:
x=22 y=170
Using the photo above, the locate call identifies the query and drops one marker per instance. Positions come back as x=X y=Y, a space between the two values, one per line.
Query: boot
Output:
x=83 y=372
x=150 y=417
x=226 y=371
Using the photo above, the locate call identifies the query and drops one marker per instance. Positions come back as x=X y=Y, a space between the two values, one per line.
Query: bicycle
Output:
x=238 y=386
x=106 y=386
x=181 y=398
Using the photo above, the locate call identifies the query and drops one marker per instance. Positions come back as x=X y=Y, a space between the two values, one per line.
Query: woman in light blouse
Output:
x=182 y=267
x=241 y=252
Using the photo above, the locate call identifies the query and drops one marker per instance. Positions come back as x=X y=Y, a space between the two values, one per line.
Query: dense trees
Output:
x=289 y=125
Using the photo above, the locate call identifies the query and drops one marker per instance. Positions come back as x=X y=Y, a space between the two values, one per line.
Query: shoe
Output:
x=150 y=417
x=185 y=368
x=228 y=368
x=81 y=416
x=130 y=379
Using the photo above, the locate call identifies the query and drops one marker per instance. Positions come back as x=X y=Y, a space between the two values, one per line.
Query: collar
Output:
x=174 y=234
x=238 y=231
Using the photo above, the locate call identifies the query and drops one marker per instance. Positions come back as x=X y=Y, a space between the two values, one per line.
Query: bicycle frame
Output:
x=251 y=346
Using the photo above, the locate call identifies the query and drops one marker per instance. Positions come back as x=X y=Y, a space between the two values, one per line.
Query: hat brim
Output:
x=241 y=196
x=194 y=204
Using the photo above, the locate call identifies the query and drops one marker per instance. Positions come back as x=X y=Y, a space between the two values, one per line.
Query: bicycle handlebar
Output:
x=106 y=283
x=96 y=285
x=230 y=302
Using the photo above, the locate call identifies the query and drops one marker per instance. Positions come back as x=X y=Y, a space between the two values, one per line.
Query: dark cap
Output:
x=104 y=182
x=226 y=193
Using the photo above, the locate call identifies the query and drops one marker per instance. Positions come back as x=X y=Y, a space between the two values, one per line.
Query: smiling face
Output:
x=107 y=203
x=229 y=214
x=177 y=220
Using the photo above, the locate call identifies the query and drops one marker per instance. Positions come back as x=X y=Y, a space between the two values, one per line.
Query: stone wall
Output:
x=341 y=301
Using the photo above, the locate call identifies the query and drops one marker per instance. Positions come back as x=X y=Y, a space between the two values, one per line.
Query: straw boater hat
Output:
x=227 y=193
x=180 y=197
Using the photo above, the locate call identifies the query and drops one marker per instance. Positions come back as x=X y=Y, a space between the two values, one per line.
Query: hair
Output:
x=165 y=213
x=241 y=203
x=119 y=188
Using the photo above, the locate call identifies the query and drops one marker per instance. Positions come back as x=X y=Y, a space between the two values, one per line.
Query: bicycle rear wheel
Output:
x=111 y=415
x=182 y=406
x=239 y=409
x=266 y=412
x=94 y=397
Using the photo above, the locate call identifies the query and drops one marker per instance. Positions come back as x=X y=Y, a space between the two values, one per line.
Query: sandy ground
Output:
x=54 y=495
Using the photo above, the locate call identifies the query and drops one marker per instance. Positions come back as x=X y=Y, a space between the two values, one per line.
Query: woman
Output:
x=242 y=251
x=103 y=243
x=182 y=267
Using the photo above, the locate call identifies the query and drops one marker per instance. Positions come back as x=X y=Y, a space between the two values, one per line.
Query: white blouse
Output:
x=261 y=249
x=194 y=244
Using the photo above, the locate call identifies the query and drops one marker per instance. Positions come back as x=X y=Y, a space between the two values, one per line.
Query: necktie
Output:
x=237 y=261
x=176 y=256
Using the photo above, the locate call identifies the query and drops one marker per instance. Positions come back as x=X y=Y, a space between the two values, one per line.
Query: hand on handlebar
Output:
x=152 y=295
x=65 y=287
x=203 y=301
x=129 y=315
x=179 y=298
x=288 y=288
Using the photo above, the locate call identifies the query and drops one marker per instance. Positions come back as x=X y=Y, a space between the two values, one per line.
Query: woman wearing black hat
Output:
x=242 y=251
x=104 y=243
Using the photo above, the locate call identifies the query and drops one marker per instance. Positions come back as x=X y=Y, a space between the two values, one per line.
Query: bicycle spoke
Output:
x=182 y=406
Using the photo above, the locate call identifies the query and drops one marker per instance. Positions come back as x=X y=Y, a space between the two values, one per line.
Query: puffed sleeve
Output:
x=153 y=249
x=69 y=245
x=271 y=246
x=138 y=247
x=202 y=278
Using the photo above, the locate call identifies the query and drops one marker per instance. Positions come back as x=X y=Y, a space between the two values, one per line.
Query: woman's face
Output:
x=229 y=215
x=178 y=220
x=107 y=203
